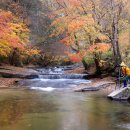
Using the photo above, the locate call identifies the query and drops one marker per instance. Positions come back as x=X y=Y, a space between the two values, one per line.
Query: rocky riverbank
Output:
x=10 y=75
x=97 y=84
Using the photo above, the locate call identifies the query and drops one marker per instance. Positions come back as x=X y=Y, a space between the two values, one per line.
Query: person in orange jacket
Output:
x=126 y=73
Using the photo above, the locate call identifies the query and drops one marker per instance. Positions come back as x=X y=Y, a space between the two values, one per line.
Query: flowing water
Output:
x=42 y=107
x=54 y=79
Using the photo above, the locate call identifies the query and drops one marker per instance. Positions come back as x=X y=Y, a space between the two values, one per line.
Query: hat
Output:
x=123 y=64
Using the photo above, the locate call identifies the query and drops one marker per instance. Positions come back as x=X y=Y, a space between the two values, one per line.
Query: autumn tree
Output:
x=112 y=16
x=13 y=34
x=96 y=51
x=75 y=25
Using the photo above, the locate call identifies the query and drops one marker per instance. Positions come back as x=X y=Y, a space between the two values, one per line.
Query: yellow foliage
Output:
x=13 y=33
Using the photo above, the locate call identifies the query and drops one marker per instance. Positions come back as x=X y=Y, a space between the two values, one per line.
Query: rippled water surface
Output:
x=39 y=110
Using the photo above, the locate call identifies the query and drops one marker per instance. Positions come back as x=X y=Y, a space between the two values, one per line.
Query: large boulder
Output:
x=120 y=94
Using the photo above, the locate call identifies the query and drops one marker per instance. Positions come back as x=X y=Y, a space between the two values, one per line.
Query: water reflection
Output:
x=35 y=110
x=14 y=106
x=73 y=118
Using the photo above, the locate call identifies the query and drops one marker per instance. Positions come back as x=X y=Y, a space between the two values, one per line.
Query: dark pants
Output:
x=125 y=80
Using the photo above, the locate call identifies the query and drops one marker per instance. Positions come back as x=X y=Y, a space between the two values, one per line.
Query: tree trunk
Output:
x=96 y=60
x=115 y=33
x=85 y=64
x=15 y=58
x=77 y=42
x=115 y=43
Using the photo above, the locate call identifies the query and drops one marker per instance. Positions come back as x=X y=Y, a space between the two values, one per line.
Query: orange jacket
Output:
x=126 y=70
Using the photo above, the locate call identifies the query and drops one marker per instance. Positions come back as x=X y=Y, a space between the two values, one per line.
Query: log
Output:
x=97 y=88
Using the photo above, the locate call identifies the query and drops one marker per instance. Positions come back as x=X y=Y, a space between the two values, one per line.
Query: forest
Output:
x=61 y=32
x=64 y=64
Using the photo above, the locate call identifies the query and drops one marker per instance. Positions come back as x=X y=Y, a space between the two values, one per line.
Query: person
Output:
x=126 y=73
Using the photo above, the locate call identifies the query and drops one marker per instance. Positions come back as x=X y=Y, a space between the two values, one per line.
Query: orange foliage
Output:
x=71 y=22
x=75 y=2
x=70 y=2
x=75 y=57
x=78 y=23
x=75 y=23
x=31 y=51
x=67 y=41
x=99 y=47
x=13 y=33
x=69 y=25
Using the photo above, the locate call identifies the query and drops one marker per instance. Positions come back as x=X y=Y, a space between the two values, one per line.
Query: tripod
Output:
x=118 y=81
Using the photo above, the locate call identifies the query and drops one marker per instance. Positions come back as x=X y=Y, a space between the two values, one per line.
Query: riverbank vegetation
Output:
x=62 y=32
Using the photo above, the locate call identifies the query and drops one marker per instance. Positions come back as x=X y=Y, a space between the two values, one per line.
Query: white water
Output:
x=55 y=79
x=53 y=84
x=48 y=89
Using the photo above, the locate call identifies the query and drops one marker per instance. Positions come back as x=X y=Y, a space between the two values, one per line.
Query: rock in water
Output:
x=120 y=94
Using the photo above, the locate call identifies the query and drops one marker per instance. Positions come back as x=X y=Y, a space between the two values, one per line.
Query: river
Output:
x=45 y=108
